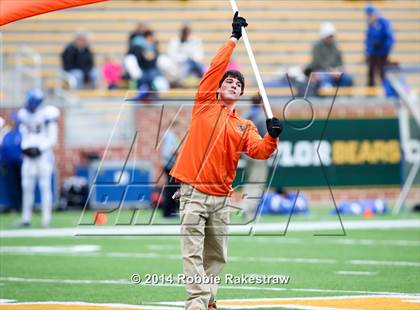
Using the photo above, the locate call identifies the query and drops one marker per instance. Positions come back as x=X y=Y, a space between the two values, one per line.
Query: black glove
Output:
x=274 y=127
x=32 y=152
x=237 y=24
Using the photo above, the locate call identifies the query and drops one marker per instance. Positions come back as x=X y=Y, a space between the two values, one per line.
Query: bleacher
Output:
x=281 y=32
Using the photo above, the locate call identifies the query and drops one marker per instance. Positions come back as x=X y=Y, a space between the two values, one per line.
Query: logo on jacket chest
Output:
x=240 y=128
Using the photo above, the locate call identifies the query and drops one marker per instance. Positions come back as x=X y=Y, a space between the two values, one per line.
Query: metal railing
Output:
x=27 y=72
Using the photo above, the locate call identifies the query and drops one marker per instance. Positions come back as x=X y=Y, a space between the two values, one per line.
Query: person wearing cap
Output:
x=78 y=62
x=206 y=167
x=378 y=42
x=328 y=60
x=39 y=129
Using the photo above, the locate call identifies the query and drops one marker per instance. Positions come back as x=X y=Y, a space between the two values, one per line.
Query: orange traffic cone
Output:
x=368 y=213
x=100 y=218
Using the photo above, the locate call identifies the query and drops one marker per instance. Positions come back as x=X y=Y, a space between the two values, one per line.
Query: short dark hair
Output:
x=147 y=33
x=235 y=74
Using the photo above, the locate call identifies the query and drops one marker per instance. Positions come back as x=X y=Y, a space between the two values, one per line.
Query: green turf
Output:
x=244 y=252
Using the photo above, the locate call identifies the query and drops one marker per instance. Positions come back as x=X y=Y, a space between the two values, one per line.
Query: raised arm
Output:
x=210 y=82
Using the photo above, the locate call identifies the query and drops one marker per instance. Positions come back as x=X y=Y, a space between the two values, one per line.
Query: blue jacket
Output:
x=379 y=37
x=10 y=151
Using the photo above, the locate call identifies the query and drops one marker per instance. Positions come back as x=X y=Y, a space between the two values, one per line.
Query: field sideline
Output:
x=365 y=269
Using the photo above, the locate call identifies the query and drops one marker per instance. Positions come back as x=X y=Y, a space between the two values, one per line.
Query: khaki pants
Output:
x=204 y=230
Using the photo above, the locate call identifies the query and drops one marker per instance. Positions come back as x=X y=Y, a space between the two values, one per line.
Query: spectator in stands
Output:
x=11 y=162
x=171 y=142
x=138 y=32
x=327 y=58
x=146 y=53
x=112 y=72
x=78 y=62
x=293 y=76
x=186 y=52
x=379 y=41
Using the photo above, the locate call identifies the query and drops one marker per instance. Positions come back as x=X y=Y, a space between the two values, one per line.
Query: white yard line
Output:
x=383 y=263
x=241 y=259
x=288 y=306
x=80 y=303
x=50 y=249
x=320 y=298
x=417 y=301
x=355 y=273
x=288 y=299
x=156 y=230
x=226 y=287
x=341 y=241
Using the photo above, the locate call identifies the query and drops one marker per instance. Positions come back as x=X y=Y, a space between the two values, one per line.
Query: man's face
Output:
x=329 y=39
x=81 y=42
x=230 y=90
x=371 y=18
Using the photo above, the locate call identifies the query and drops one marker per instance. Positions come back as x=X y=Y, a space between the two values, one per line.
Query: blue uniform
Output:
x=11 y=160
x=11 y=152
x=379 y=37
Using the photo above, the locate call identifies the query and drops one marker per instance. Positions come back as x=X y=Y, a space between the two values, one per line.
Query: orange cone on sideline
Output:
x=368 y=213
x=100 y=218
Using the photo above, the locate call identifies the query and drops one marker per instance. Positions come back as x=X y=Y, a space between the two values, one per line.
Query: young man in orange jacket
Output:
x=206 y=167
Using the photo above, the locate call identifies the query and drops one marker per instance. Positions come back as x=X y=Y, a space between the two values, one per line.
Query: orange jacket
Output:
x=208 y=157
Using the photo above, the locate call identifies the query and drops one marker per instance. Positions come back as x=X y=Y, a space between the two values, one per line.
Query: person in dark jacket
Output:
x=78 y=62
x=11 y=160
x=379 y=42
x=145 y=49
x=327 y=59
x=137 y=32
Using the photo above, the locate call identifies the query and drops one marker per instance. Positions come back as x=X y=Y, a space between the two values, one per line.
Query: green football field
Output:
x=372 y=259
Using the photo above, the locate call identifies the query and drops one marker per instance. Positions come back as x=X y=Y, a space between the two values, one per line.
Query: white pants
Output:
x=40 y=168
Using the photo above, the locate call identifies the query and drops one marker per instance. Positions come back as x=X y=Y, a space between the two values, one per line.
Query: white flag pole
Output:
x=266 y=104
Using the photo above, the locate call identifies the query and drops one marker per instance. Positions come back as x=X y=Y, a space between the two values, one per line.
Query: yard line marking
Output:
x=227 y=287
x=415 y=301
x=355 y=302
x=346 y=241
x=67 y=281
x=370 y=242
x=355 y=273
x=241 y=306
x=50 y=249
x=231 y=258
x=156 y=247
x=319 y=302
x=173 y=230
x=3 y=301
x=296 y=260
x=322 y=297
x=383 y=263
x=292 y=306
x=81 y=303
